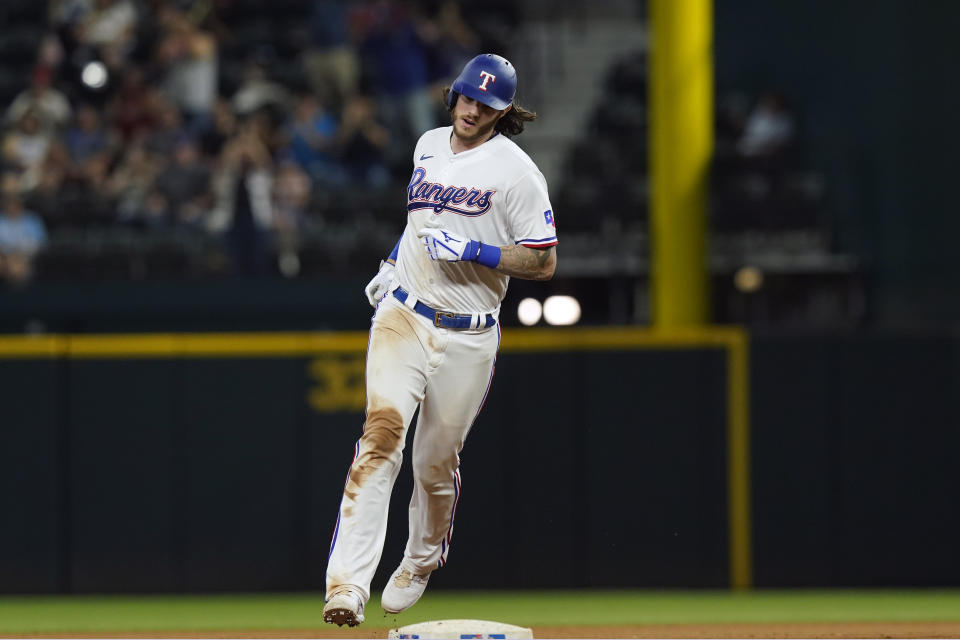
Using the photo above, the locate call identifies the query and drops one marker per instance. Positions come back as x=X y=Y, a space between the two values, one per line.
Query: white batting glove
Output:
x=443 y=245
x=380 y=285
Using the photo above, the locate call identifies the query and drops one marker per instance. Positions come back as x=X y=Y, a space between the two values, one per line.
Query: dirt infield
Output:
x=756 y=630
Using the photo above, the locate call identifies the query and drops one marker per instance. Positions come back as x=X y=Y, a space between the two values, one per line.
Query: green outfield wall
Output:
x=210 y=462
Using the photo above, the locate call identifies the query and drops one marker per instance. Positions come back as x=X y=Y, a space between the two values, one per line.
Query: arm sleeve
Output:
x=530 y=213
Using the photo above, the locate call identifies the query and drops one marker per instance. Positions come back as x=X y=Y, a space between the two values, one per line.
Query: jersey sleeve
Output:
x=530 y=213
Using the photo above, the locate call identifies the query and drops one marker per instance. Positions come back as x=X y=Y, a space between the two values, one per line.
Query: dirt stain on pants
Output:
x=382 y=438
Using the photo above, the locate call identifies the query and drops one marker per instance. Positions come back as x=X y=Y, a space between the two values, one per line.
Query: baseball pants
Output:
x=447 y=372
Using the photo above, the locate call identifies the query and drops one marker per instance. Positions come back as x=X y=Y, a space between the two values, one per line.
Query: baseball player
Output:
x=478 y=213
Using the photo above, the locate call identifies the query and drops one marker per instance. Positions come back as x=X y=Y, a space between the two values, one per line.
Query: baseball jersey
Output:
x=493 y=193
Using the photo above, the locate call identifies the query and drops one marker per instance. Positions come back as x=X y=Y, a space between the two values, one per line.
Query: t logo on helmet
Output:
x=487 y=77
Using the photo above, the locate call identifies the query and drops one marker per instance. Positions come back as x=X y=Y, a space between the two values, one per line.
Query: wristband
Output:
x=472 y=251
x=488 y=255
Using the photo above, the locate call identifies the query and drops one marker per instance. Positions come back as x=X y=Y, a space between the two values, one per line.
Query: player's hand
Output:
x=380 y=285
x=443 y=245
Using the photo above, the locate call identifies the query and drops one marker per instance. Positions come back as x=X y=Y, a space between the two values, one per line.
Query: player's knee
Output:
x=433 y=474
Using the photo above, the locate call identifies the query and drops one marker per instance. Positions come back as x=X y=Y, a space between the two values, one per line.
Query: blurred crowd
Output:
x=218 y=117
x=256 y=127
x=760 y=179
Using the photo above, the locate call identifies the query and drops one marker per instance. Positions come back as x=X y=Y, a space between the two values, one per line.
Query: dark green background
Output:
x=184 y=475
x=875 y=86
x=584 y=469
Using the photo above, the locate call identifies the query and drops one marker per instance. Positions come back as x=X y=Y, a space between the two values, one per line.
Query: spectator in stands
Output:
x=769 y=129
x=25 y=149
x=150 y=157
x=132 y=110
x=130 y=185
x=168 y=130
x=22 y=236
x=188 y=57
x=223 y=129
x=291 y=198
x=46 y=102
x=258 y=92
x=754 y=148
x=243 y=185
x=110 y=28
x=68 y=11
x=395 y=60
x=90 y=147
x=449 y=40
x=185 y=185
x=331 y=64
x=311 y=140
x=363 y=142
x=154 y=211
x=50 y=53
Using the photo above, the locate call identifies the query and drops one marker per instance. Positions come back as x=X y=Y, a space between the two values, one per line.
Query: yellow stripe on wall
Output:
x=738 y=462
x=292 y=344
x=175 y=345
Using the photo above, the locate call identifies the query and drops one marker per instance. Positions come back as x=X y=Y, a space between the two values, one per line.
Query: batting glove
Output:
x=380 y=285
x=443 y=245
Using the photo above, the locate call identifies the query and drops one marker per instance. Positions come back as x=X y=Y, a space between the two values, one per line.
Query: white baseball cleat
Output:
x=344 y=608
x=403 y=590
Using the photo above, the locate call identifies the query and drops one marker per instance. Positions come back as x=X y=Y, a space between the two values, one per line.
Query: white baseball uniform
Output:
x=492 y=193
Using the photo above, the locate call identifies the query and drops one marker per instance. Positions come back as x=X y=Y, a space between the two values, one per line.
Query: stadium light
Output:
x=529 y=311
x=561 y=310
x=748 y=279
x=95 y=74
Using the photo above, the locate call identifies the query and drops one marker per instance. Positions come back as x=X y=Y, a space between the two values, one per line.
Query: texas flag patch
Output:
x=548 y=216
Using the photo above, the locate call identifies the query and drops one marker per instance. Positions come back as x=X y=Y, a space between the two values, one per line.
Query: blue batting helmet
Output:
x=489 y=79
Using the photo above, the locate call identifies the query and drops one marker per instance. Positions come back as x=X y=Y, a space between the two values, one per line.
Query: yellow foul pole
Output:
x=681 y=144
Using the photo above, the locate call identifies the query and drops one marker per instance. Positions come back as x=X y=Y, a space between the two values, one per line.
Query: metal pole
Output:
x=681 y=145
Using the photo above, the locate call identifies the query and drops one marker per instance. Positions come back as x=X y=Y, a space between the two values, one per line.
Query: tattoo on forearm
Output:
x=523 y=262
